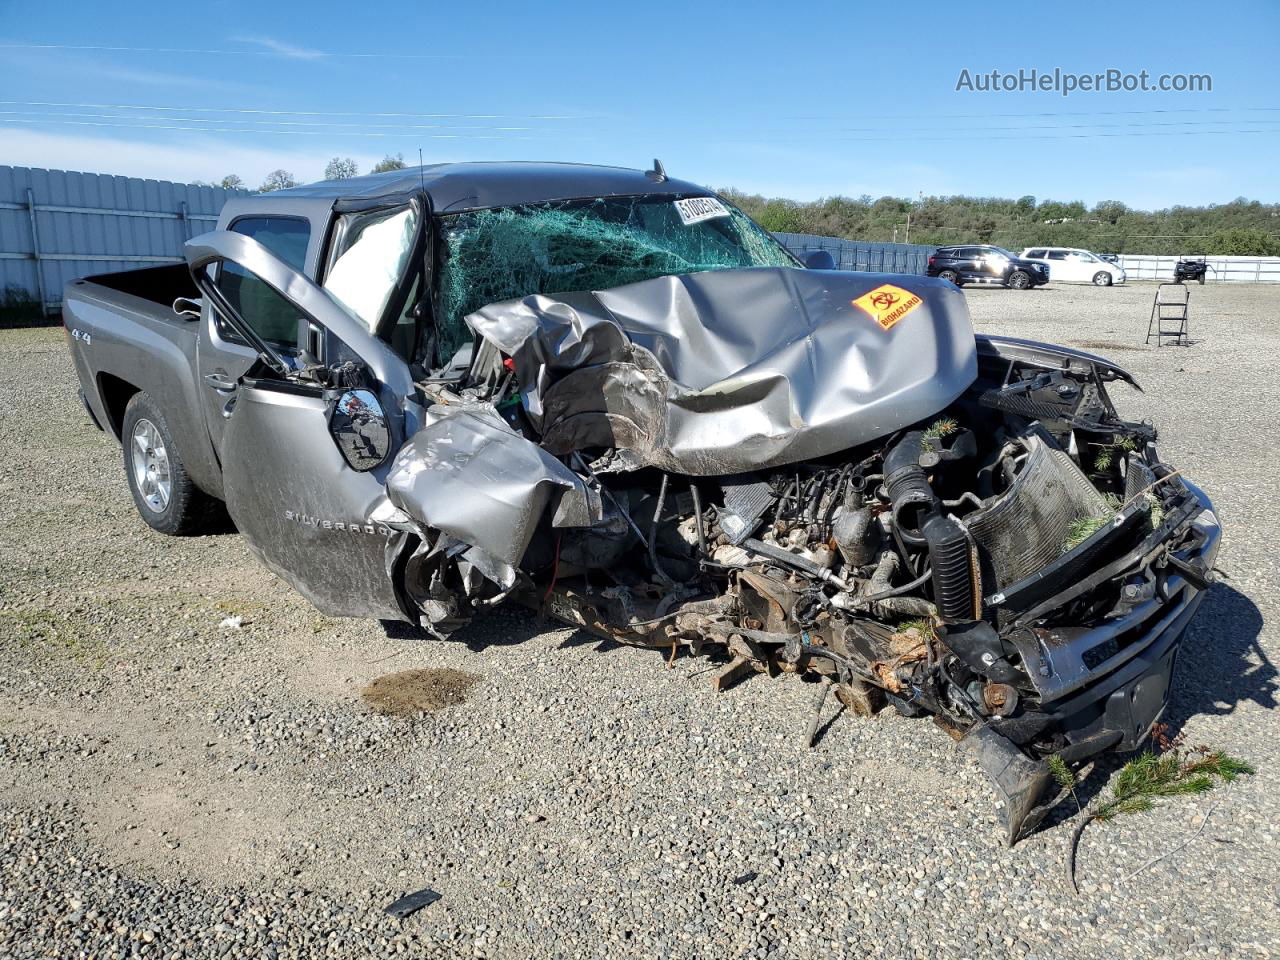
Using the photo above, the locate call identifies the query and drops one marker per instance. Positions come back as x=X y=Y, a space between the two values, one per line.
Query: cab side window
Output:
x=261 y=307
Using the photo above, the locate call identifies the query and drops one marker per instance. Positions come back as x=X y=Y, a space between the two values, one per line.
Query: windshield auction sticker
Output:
x=696 y=209
x=888 y=304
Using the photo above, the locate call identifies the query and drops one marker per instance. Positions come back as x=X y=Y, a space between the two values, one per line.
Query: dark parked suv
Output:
x=983 y=263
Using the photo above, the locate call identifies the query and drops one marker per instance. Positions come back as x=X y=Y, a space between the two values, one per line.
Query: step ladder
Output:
x=1168 y=324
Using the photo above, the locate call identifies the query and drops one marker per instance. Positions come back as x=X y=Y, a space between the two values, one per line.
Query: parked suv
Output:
x=983 y=263
x=1073 y=265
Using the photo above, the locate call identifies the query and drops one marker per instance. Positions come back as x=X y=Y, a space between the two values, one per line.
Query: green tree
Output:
x=1111 y=228
x=340 y=168
x=231 y=182
x=1243 y=242
x=1110 y=210
x=389 y=163
x=780 y=216
x=277 y=180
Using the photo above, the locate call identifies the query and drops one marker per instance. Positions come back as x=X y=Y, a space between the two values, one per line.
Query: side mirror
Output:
x=818 y=260
x=188 y=308
x=359 y=428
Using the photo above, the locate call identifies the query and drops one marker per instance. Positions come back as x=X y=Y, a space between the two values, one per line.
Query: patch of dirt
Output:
x=410 y=692
x=1105 y=345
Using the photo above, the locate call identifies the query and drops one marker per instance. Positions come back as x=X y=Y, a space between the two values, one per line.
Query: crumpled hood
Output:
x=734 y=370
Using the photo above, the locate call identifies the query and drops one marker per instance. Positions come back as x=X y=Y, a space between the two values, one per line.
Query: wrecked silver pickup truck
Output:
x=610 y=395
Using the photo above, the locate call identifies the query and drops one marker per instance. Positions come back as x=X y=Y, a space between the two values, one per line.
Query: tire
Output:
x=1019 y=280
x=950 y=276
x=162 y=490
x=1102 y=279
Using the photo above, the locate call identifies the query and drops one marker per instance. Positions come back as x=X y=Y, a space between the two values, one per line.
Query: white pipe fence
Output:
x=1138 y=266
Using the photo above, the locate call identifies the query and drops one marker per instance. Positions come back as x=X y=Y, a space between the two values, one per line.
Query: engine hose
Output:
x=919 y=520
x=949 y=556
x=908 y=487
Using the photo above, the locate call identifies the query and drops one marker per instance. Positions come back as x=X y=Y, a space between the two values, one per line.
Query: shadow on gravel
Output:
x=500 y=628
x=1222 y=663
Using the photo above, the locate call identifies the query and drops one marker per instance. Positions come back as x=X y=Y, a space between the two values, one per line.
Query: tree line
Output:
x=339 y=168
x=1241 y=227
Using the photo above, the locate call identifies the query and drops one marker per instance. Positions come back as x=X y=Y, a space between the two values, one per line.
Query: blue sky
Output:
x=801 y=100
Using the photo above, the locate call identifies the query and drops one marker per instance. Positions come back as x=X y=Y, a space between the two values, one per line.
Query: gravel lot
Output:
x=170 y=786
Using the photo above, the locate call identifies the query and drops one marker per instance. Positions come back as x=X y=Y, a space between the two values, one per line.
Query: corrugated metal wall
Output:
x=56 y=226
x=873 y=257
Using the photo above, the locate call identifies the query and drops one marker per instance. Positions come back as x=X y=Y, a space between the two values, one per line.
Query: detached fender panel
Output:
x=1051 y=357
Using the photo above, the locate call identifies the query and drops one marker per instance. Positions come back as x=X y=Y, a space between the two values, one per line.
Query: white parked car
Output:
x=1073 y=265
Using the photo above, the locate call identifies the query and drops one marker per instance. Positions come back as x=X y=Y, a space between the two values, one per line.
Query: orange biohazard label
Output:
x=888 y=304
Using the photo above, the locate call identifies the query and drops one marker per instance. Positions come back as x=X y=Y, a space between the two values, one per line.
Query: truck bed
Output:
x=125 y=338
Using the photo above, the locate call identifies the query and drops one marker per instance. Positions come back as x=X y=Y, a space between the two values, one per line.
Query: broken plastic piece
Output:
x=411 y=903
x=1018 y=780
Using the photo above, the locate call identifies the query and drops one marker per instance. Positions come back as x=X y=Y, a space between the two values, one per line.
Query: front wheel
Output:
x=1102 y=279
x=162 y=490
x=1019 y=280
x=950 y=276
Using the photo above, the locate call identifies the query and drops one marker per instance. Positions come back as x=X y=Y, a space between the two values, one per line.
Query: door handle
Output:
x=220 y=382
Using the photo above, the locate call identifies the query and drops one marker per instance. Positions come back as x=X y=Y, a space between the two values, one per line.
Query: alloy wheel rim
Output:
x=150 y=460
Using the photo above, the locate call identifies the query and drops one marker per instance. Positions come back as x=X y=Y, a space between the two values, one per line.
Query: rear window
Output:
x=270 y=315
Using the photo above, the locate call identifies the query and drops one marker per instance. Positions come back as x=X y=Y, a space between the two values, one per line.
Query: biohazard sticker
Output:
x=888 y=304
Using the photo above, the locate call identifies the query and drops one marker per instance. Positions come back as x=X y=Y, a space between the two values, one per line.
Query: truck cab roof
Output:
x=458 y=187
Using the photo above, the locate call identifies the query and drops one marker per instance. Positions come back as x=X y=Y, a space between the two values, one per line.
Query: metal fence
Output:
x=56 y=226
x=1230 y=269
x=873 y=257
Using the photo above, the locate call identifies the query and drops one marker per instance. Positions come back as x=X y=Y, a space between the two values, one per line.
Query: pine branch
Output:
x=1146 y=778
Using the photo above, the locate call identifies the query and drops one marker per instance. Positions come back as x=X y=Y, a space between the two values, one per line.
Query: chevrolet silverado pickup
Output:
x=609 y=395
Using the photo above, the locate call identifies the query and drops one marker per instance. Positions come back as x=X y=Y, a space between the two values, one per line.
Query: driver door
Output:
x=300 y=493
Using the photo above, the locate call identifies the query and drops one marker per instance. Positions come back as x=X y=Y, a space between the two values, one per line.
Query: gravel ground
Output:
x=175 y=787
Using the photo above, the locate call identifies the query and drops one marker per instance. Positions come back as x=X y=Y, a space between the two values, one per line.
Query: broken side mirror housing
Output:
x=310 y=342
x=359 y=428
x=188 y=308
x=818 y=260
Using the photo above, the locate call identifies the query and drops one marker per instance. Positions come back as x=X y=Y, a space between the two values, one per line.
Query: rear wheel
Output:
x=1102 y=279
x=162 y=490
x=950 y=276
x=1019 y=280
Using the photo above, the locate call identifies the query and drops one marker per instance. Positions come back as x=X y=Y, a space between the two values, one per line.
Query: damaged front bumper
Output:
x=1104 y=687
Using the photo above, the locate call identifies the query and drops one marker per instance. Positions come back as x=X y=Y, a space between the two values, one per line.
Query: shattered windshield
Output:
x=508 y=252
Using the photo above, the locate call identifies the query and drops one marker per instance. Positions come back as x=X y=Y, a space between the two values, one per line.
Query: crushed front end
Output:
x=990 y=544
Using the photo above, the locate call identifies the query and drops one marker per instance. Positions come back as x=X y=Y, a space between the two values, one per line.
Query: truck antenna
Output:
x=422 y=180
x=658 y=174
